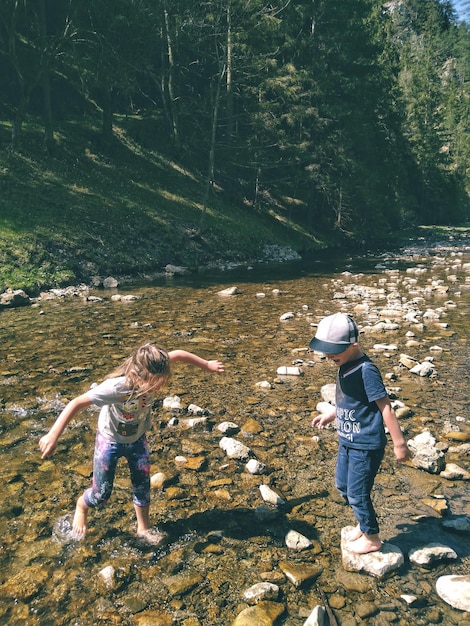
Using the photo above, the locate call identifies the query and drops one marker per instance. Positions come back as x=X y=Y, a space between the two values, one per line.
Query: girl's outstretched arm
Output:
x=193 y=359
x=48 y=443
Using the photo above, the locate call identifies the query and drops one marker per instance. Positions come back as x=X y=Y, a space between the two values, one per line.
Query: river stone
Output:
x=234 y=449
x=378 y=564
x=270 y=496
x=297 y=541
x=454 y=472
x=153 y=618
x=228 y=428
x=14 y=298
x=289 y=371
x=316 y=617
x=264 y=613
x=458 y=436
x=261 y=591
x=230 y=291
x=460 y=524
x=455 y=590
x=179 y=584
x=300 y=573
x=328 y=393
x=427 y=556
x=25 y=584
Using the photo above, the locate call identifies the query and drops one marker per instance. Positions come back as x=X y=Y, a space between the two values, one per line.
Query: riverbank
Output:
x=128 y=212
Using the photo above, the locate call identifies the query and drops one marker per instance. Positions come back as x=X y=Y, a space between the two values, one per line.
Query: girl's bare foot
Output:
x=80 y=519
x=151 y=536
x=365 y=544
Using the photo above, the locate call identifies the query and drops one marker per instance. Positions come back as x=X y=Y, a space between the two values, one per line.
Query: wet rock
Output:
x=153 y=618
x=426 y=456
x=234 y=449
x=270 y=496
x=230 y=291
x=378 y=564
x=455 y=590
x=110 y=282
x=261 y=591
x=460 y=524
x=300 y=574
x=264 y=613
x=328 y=393
x=180 y=584
x=25 y=584
x=255 y=467
x=458 y=436
x=437 y=504
x=174 y=270
x=172 y=403
x=289 y=371
x=454 y=472
x=14 y=298
x=427 y=556
x=297 y=541
x=423 y=369
x=286 y=316
x=228 y=428
x=407 y=361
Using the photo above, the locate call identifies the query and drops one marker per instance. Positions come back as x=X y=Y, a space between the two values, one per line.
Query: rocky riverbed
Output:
x=242 y=485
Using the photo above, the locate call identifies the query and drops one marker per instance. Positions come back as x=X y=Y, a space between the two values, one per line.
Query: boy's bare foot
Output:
x=365 y=544
x=152 y=537
x=80 y=519
x=354 y=534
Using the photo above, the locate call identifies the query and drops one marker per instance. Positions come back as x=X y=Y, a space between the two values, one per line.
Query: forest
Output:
x=352 y=115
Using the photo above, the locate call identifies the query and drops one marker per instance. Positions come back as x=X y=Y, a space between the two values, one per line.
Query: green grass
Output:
x=123 y=210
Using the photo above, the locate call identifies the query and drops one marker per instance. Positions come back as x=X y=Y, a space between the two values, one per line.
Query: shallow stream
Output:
x=219 y=544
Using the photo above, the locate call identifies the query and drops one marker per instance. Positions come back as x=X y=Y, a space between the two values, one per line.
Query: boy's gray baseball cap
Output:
x=335 y=334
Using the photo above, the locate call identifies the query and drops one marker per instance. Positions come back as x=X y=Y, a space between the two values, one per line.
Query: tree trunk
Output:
x=211 y=168
x=170 y=79
x=46 y=83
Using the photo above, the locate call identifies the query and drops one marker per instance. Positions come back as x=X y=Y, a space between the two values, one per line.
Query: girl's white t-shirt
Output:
x=124 y=416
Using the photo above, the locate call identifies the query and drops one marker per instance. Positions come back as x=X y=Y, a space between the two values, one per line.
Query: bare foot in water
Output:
x=152 y=537
x=365 y=544
x=80 y=519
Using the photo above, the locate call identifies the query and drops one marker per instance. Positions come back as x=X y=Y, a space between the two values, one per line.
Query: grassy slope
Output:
x=123 y=211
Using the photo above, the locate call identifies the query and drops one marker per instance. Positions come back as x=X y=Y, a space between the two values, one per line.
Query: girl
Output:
x=125 y=398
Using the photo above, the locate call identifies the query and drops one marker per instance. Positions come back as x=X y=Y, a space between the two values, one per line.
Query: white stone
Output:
x=261 y=591
x=228 y=427
x=455 y=590
x=286 y=316
x=427 y=556
x=379 y=563
x=255 y=467
x=230 y=291
x=234 y=449
x=270 y=496
x=297 y=541
x=316 y=617
x=289 y=371
x=454 y=472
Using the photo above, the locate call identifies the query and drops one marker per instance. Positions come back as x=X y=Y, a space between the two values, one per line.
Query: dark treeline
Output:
x=354 y=114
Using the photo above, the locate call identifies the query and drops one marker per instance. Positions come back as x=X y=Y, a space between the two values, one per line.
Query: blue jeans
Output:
x=355 y=474
x=107 y=454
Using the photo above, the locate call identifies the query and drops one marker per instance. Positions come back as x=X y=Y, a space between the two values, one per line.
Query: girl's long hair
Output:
x=146 y=370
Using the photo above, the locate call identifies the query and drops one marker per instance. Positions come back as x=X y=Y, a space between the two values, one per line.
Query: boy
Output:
x=362 y=408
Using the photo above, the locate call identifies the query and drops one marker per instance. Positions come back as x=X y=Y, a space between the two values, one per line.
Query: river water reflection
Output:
x=219 y=546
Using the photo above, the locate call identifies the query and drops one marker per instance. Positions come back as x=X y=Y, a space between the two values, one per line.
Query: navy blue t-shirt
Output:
x=359 y=421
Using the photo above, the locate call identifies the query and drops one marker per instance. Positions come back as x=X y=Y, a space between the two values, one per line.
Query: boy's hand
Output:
x=320 y=421
x=402 y=452
x=215 y=366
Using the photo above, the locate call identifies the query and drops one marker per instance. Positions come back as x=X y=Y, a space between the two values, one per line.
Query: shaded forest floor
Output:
x=127 y=211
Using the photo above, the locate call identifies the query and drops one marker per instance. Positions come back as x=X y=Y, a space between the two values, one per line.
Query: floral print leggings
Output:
x=107 y=453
